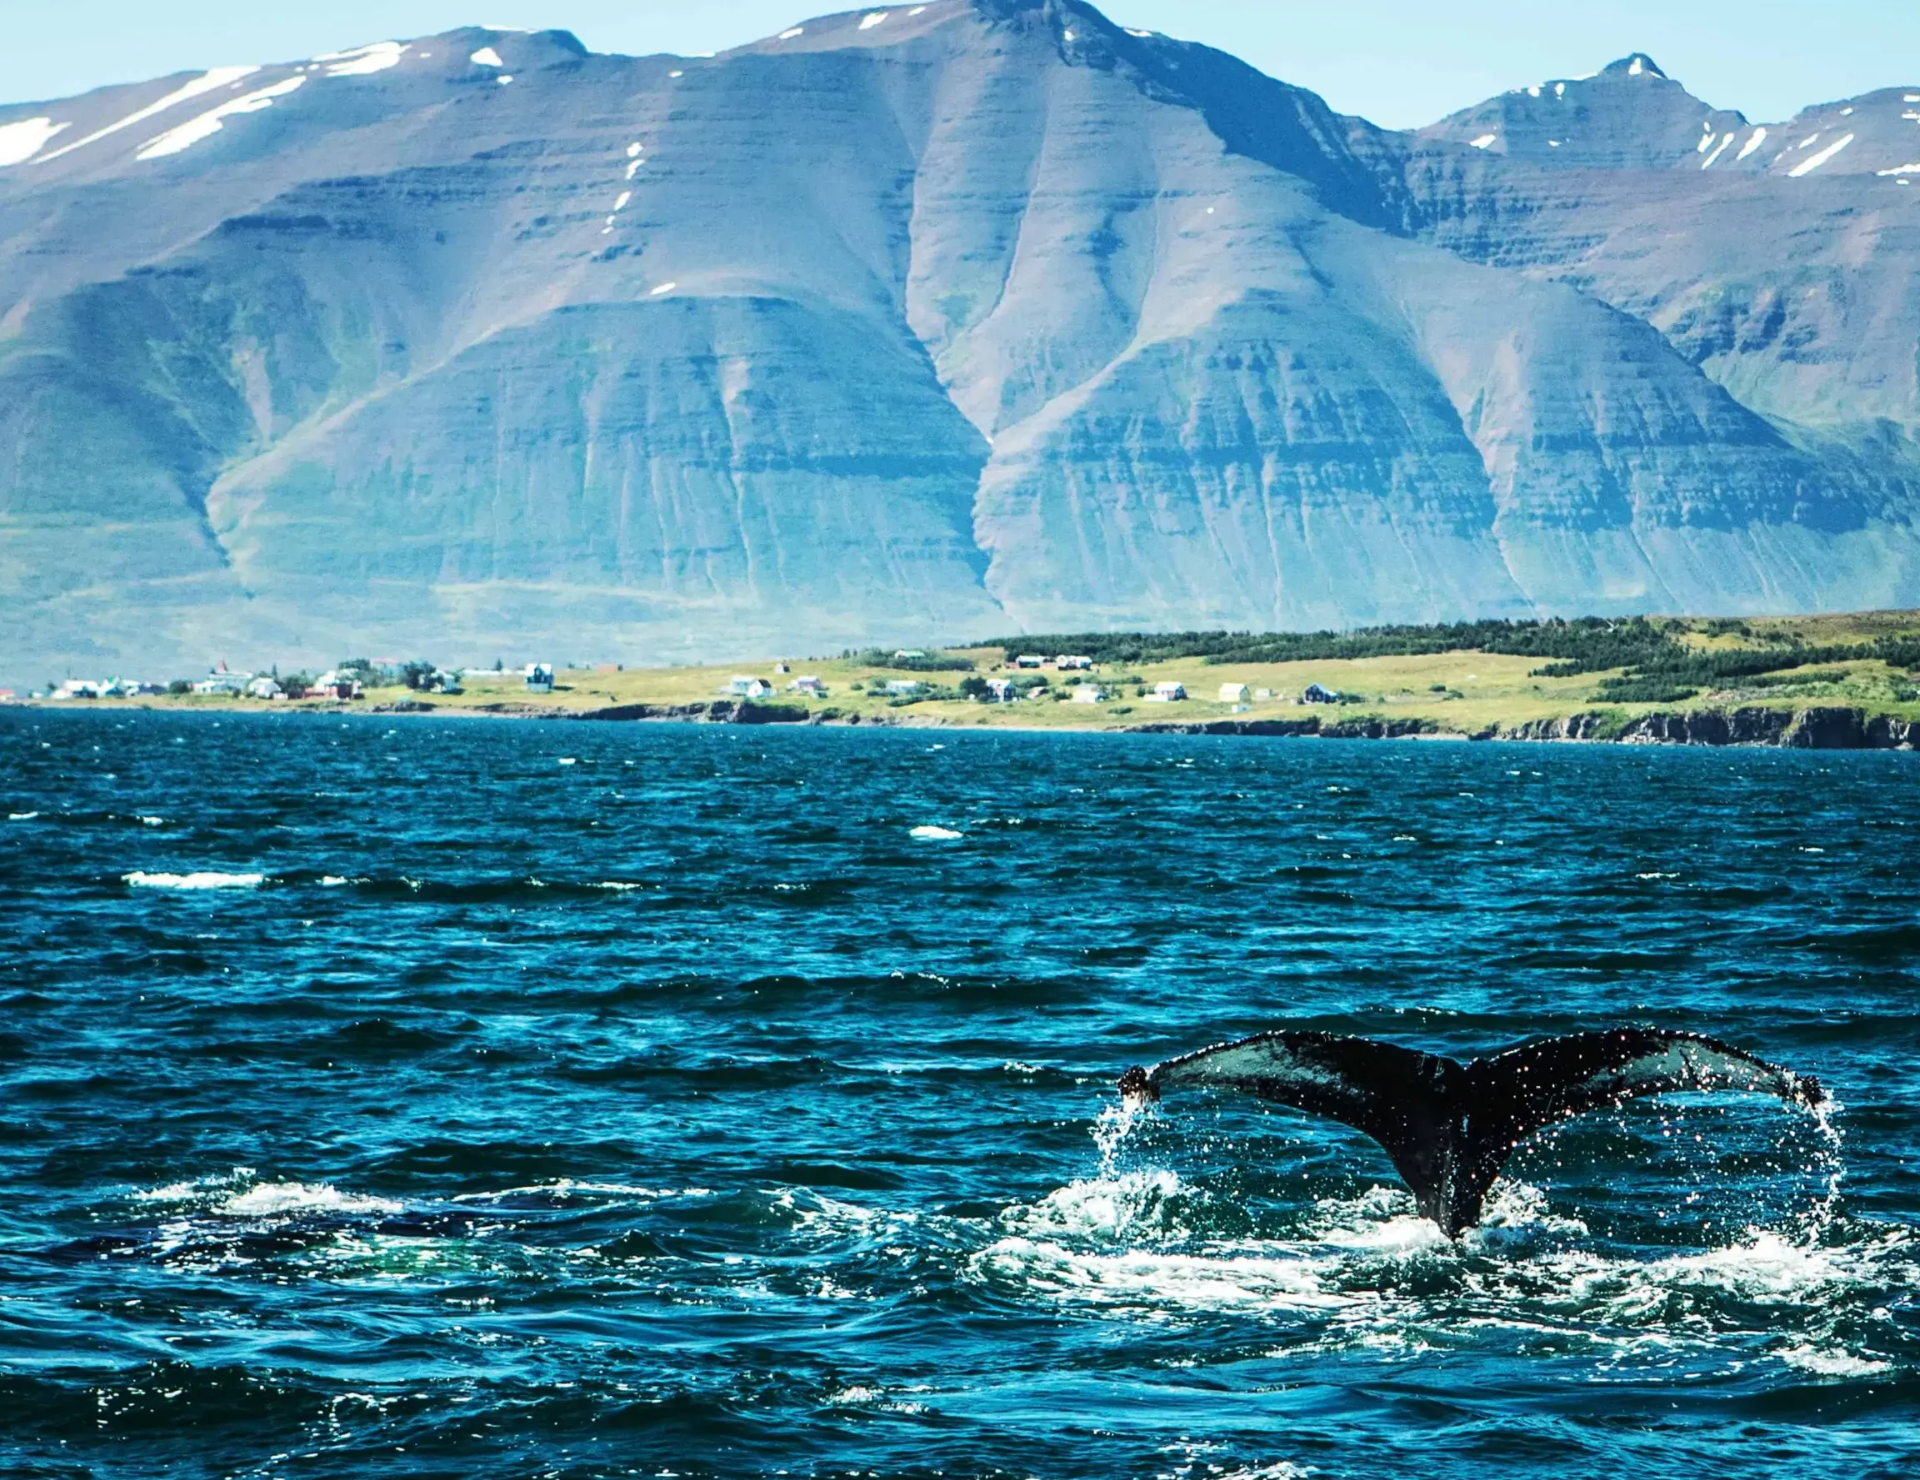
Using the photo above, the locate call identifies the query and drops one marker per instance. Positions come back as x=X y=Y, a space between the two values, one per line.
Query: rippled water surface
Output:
x=515 y=1099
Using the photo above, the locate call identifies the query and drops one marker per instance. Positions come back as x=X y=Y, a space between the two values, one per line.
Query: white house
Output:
x=1000 y=691
x=746 y=686
x=1089 y=693
x=1029 y=660
x=900 y=688
x=1168 y=693
x=223 y=683
x=1234 y=693
x=266 y=687
x=810 y=684
x=1073 y=663
x=80 y=688
x=540 y=678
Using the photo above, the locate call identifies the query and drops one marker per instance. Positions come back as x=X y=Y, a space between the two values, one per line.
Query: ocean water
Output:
x=410 y=1097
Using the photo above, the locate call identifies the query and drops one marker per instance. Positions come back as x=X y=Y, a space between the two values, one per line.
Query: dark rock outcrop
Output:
x=1312 y=727
x=715 y=712
x=1817 y=728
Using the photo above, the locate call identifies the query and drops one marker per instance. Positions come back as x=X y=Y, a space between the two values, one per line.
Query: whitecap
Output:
x=567 y=1187
x=1104 y=1207
x=1209 y=1282
x=277 y=1199
x=1763 y=1267
x=141 y=880
x=936 y=834
x=1831 y=1363
x=21 y=816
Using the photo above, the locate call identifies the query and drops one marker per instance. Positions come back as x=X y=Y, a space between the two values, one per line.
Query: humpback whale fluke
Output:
x=1448 y=1126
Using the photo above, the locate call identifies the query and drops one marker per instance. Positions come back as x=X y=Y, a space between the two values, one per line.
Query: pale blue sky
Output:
x=1398 y=62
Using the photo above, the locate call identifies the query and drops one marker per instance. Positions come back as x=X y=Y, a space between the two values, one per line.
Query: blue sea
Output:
x=426 y=1098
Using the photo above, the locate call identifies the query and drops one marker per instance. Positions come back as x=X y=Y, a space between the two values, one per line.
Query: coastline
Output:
x=1813 y=727
x=1847 y=682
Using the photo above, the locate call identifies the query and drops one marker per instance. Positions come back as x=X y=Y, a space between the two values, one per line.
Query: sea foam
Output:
x=142 y=880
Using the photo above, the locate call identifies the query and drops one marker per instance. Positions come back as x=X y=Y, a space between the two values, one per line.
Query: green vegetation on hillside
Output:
x=1658 y=664
x=1479 y=679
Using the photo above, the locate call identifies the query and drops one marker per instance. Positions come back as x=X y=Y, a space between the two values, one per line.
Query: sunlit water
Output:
x=511 y=1099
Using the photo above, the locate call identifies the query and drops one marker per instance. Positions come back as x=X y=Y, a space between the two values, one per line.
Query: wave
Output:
x=282 y=1199
x=140 y=879
x=240 y=1194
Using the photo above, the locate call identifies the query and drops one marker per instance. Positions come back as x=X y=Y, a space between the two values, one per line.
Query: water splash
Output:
x=1114 y=1127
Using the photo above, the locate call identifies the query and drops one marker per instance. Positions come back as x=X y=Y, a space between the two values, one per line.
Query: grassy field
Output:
x=1471 y=692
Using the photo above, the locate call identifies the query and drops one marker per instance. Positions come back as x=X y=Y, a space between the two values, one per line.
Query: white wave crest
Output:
x=1831 y=1363
x=1104 y=1208
x=142 y=880
x=930 y=834
x=278 y=1199
x=567 y=1187
x=1140 y=1277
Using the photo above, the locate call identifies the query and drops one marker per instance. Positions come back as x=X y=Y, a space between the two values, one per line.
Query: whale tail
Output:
x=1449 y=1127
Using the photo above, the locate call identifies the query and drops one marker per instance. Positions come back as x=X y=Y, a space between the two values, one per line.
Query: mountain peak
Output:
x=1630 y=115
x=1637 y=65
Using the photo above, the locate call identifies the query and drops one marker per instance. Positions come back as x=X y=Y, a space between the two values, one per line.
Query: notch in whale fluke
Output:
x=1450 y=1127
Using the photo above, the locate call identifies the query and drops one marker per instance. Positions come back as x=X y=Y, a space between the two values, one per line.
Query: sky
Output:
x=1400 y=63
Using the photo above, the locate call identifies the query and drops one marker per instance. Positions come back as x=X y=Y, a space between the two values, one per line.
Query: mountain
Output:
x=923 y=323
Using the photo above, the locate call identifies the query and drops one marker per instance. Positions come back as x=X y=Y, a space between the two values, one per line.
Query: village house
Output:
x=539 y=678
x=1069 y=663
x=224 y=683
x=1235 y=693
x=809 y=685
x=1089 y=693
x=336 y=685
x=746 y=686
x=901 y=688
x=1167 y=693
x=1000 y=691
x=1030 y=660
x=265 y=687
x=1314 y=694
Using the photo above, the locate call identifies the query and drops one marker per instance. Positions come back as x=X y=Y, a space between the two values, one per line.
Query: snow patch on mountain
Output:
x=19 y=142
x=183 y=138
x=1823 y=157
x=364 y=61
x=212 y=81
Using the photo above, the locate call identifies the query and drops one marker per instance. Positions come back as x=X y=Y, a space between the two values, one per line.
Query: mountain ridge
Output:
x=986 y=314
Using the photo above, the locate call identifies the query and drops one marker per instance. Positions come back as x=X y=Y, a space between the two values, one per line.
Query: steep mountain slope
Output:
x=905 y=324
x=1779 y=257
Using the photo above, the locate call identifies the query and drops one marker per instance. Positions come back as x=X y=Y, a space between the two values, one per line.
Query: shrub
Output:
x=926 y=663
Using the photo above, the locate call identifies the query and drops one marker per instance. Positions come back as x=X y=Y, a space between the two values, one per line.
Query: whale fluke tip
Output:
x=1137 y=1087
